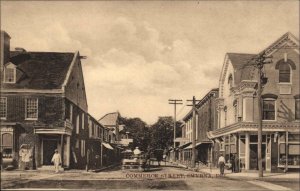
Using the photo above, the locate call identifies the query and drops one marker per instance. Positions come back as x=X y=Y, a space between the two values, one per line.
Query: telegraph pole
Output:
x=194 y=131
x=175 y=102
x=259 y=64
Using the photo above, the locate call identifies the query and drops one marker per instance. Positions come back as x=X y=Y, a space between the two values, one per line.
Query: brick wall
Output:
x=75 y=89
x=50 y=108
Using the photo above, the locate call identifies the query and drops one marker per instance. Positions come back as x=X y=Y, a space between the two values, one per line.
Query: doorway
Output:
x=49 y=146
x=254 y=156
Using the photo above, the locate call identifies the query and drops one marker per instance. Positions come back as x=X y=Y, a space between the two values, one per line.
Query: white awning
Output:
x=189 y=147
x=106 y=145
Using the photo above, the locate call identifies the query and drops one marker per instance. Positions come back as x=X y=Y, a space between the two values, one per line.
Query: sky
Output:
x=142 y=53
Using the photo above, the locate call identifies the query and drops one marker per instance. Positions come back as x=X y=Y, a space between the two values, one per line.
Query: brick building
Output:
x=206 y=120
x=111 y=121
x=238 y=111
x=44 y=107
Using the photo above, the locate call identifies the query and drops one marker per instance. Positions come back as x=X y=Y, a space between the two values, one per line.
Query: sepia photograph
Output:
x=150 y=95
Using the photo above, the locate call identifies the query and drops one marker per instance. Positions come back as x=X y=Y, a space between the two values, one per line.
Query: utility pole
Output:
x=194 y=131
x=259 y=64
x=175 y=102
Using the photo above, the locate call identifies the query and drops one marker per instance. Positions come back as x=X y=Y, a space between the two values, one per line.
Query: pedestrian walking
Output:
x=56 y=160
x=221 y=162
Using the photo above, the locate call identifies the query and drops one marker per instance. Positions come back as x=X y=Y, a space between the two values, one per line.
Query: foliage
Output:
x=162 y=133
x=157 y=136
x=138 y=131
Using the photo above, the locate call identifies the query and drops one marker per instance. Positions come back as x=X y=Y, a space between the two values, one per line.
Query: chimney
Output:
x=5 y=48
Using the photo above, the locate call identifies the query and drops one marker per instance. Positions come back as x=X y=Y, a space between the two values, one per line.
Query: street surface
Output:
x=158 y=178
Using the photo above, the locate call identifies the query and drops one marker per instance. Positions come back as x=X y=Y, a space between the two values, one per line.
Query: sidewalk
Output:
x=254 y=175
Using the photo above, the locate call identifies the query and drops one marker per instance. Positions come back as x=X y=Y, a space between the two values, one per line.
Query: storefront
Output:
x=50 y=139
x=9 y=147
x=280 y=148
x=289 y=150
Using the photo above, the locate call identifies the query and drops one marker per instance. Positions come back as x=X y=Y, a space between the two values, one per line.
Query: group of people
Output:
x=234 y=161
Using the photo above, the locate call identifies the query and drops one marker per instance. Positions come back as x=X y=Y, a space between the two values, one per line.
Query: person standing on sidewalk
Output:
x=56 y=159
x=221 y=162
x=232 y=161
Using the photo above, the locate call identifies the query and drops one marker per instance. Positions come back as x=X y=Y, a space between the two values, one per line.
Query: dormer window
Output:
x=10 y=73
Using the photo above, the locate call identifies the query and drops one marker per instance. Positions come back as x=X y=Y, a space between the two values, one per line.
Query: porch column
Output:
x=67 y=152
x=247 y=151
x=62 y=149
x=101 y=159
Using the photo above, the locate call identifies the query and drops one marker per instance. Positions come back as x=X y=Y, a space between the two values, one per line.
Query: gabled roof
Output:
x=40 y=70
x=109 y=119
x=286 y=38
x=241 y=65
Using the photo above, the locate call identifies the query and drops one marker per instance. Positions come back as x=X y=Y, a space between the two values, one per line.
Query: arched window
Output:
x=230 y=80
x=284 y=73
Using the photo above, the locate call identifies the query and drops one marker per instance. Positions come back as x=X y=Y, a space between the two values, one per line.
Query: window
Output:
x=77 y=124
x=82 y=125
x=82 y=148
x=77 y=144
x=71 y=113
x=284 y=73
x=297 y=109
x=235 y=112
x=230 y=80
x=10 y=74
x=7 y=145
x=31 y=108
x=3 y=107
x=268 y=109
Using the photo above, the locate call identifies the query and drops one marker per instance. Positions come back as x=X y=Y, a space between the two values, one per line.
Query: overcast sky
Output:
x=140 y=54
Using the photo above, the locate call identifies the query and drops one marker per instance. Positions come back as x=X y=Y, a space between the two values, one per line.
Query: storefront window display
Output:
x=289 y=154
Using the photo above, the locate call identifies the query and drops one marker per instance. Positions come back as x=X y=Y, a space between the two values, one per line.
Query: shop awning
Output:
x=106 y=145
x=185 y=145
x=189 y=147
x=204 y=142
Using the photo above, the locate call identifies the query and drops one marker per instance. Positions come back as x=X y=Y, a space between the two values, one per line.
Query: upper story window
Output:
x=82 y=120
x=269 y=109
x=230 y=80
x=10 y=73
x=284 y=73
x=77 y=124
x=71 y=113
x=235 y=112
x=285 y=67
x=3 y=107
x=297 y=109
x=31 y=108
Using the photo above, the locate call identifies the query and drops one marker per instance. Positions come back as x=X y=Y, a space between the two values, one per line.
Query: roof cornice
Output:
x=279 y=42
x=40 y=91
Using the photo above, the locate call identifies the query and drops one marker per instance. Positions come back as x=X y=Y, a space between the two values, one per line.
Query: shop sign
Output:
x=6 y=129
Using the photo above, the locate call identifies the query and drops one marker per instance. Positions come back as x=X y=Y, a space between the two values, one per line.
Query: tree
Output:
x=139 y=131
x=162 y=133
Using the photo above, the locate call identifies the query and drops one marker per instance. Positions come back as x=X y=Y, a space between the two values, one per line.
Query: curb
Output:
x=104 y=168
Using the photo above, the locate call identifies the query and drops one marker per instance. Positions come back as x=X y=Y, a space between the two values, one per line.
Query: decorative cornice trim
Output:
x=48 y=91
